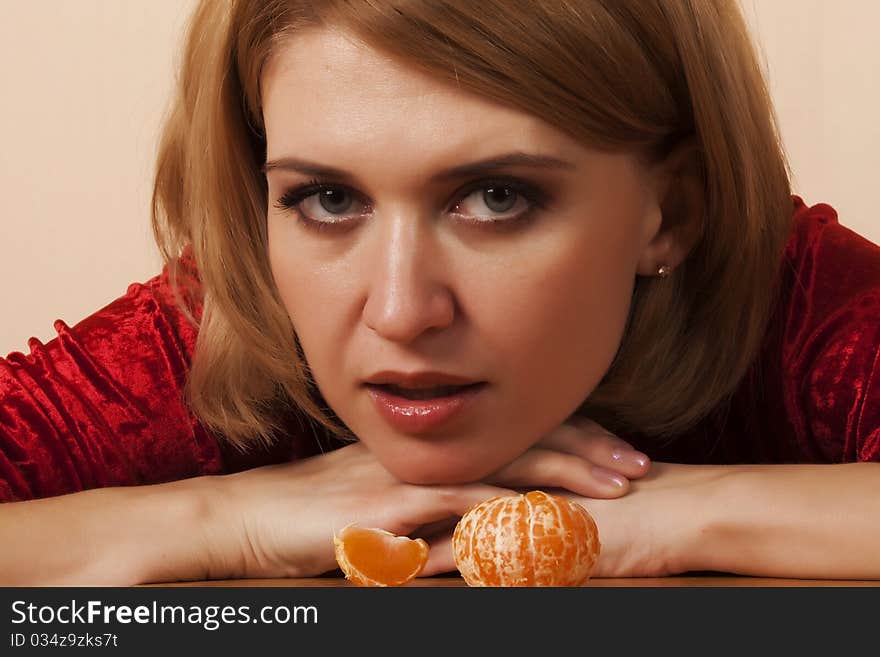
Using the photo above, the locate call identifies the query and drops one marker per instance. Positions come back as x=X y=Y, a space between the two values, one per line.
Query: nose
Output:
x=409 y=288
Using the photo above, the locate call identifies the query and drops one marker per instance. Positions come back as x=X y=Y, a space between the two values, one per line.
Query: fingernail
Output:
x=630 y=456
x=609 y=477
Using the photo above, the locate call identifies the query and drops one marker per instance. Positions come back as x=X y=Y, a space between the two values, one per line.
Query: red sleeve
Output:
x=834 y=339
x=842 y=391
x=101 y=404
x=868 y=429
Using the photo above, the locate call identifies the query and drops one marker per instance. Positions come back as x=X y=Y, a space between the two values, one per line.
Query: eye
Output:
x=334 y=201
x=322 y=205
x=491 y=202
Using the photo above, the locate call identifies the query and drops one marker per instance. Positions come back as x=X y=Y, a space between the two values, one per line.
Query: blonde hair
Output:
x=618 y=76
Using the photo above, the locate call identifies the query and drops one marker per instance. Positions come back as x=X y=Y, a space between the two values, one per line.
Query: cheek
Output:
x=560 y=330
x=307 y=293
x=282 y=263
x=593 y=324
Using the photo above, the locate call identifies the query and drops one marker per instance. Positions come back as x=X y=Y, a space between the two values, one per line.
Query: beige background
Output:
x=85 y=83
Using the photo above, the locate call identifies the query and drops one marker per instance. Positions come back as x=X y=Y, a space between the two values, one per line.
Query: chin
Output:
x=438 y=471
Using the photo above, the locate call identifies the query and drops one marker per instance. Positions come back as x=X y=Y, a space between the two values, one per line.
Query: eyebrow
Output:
x=507 y=160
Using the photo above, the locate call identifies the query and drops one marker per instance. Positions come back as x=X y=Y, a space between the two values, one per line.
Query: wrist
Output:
x=220 y=540
x=694 y=545
x=176 y=533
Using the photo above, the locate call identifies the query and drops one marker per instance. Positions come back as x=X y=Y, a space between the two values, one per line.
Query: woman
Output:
x=500 y=248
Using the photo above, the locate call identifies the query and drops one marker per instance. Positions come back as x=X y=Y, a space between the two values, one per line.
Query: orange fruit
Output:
x=375 y=557
x=534 y=539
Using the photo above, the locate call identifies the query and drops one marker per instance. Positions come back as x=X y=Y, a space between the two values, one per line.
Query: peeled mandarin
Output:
x=375 y=557
x=533 y=539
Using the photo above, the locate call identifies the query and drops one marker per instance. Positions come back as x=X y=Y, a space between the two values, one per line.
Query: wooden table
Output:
x=717 y=580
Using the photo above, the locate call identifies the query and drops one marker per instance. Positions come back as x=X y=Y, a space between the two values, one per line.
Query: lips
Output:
x=435 y=392
x=421 y=416
x=419 y=380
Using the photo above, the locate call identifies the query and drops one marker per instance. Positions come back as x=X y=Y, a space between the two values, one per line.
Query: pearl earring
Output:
x=663 y=271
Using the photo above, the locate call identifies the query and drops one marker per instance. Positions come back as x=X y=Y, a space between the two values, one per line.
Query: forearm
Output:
x=800 y=521
x=110 y=536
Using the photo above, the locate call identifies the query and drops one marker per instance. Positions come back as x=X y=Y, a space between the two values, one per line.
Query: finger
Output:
x=427 y=505
x=590 y=441
x=461 y=498
x=440 y=559
x=433 y=529
x=549 y=468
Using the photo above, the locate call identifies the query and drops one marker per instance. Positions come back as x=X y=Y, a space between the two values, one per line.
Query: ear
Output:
x=676 y=185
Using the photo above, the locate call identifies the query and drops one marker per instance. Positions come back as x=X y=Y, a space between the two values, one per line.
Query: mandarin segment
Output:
x=375 y=557
x=533 y=539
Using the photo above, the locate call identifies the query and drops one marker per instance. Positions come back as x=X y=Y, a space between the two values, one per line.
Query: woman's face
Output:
x=408 y=274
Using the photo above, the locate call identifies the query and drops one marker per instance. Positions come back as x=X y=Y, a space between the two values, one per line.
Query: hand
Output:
x=651 y=531
x=279 y=520
x=579 y=456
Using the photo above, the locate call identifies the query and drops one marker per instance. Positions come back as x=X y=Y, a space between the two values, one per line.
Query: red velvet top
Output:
x=101 y=405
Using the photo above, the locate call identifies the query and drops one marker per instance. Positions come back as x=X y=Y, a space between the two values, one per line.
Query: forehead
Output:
x=324 y=86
